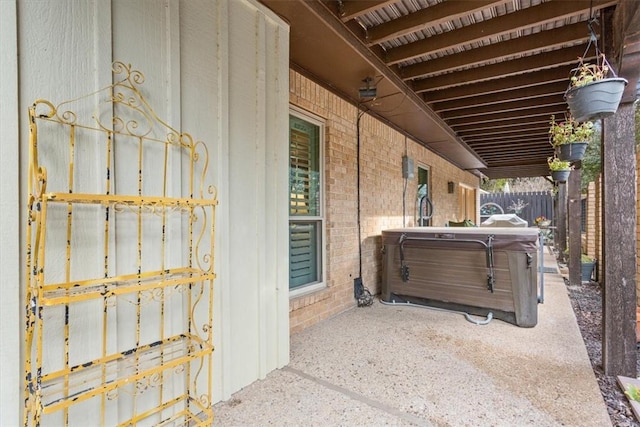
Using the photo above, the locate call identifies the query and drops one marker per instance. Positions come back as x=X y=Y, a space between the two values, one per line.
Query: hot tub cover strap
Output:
x=404 y=269
x=491 y=280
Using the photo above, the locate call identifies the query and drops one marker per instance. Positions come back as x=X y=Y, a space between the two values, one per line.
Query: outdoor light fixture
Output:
x=450 y=187
x=369 y=90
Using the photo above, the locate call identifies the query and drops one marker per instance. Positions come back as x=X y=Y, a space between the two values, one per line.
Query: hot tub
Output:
x=476 y=270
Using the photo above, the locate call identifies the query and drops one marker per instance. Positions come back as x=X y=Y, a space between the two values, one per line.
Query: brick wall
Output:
x=598 y=219
x=590 y=235
x=593 y=236
x=381 y=190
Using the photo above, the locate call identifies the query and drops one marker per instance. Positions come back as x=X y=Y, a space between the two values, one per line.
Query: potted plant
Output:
x=570 y=137
x=542 y=222
x=595 y=90
x=560 y=169
x=587 y=265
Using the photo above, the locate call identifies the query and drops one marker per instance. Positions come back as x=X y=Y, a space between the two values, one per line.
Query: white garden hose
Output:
x=467 y=316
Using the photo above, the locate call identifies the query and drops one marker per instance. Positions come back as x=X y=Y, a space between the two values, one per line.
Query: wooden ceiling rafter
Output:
x=433 y=16
x=539 y=15
x=502 y=116
x=508 y=149
x=348 y=10
x=505 y=96
x=546 y=60
x=526 y=45
x=504 y=107
x=505 y=124
x=521 y=137
x=517 y=129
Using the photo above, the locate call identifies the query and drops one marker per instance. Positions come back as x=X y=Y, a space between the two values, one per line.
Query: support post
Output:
x=560 y=235
x=619 y=244
x=574 y=214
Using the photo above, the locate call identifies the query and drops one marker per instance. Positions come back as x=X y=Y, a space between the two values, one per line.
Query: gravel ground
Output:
x=587 y=305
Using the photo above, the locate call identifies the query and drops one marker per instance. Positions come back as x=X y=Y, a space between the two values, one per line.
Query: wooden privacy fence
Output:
x=527 y=206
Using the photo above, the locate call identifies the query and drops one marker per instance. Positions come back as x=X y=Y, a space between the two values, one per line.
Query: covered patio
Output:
x=395 y=365
x=465 y=88
x=477 y=82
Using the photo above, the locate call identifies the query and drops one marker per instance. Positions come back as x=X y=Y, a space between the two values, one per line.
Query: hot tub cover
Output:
x=503 y=238
x=504 y=220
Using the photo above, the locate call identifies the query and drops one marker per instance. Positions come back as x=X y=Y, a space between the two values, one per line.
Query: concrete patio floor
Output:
x=403 y=366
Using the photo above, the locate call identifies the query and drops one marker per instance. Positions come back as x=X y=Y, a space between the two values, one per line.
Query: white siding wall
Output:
x=11 y=304
x=216 y=69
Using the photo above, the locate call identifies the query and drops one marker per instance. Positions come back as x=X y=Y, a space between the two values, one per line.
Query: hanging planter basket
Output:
x=572 y=152
x=595 y=90
x=560 y=176
x=595 y=100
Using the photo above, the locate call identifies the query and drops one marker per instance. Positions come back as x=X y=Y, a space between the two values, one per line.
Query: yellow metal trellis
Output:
x=153 y=366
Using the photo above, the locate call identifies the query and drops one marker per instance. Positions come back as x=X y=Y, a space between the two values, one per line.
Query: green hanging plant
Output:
x=570 y=131
x=555 y=164
x=587 y=73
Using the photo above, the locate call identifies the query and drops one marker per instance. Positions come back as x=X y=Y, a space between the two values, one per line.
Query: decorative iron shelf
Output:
x=111 y=270
x=128 y=200
x=69 y=292
x=140 y=365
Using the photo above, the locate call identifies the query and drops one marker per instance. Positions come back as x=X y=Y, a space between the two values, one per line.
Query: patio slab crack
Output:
x=360 y=398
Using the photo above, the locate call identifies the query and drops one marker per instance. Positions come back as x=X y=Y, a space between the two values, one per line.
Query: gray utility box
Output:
x=476 y=270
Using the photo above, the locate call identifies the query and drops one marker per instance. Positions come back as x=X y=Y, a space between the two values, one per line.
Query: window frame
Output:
x=464 y=193
x=320 y=218
x=427 y=173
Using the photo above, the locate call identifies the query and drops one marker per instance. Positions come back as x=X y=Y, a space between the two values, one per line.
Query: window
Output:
x=306 y=222
x=423 y=202
x=466 y=203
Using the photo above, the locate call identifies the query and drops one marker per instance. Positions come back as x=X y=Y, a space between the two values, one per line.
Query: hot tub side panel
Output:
x=524 y=278
x=443 y=275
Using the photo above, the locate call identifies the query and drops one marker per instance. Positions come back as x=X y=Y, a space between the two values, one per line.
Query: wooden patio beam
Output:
x=508 y=151
x=526 y=45
x=515 y=115
x=541 y=14
x=521 y=157
x=520 y=142
x=509 y=84
x=511 y=172
x=528 y=147
x=539 y=164
x=492 y=98
x=431 y=16
x=352 y=9
x=515 y=138
x=541 y=135
x=518 y=128
x=546 y=60
x=505 y=107
x=507 y=123
x=625 y=29
x=523 y=141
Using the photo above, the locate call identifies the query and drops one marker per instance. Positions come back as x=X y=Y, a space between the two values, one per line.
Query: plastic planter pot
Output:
x=595 y=100
x=572 y=152
x=586 y=270
x=560 y=176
